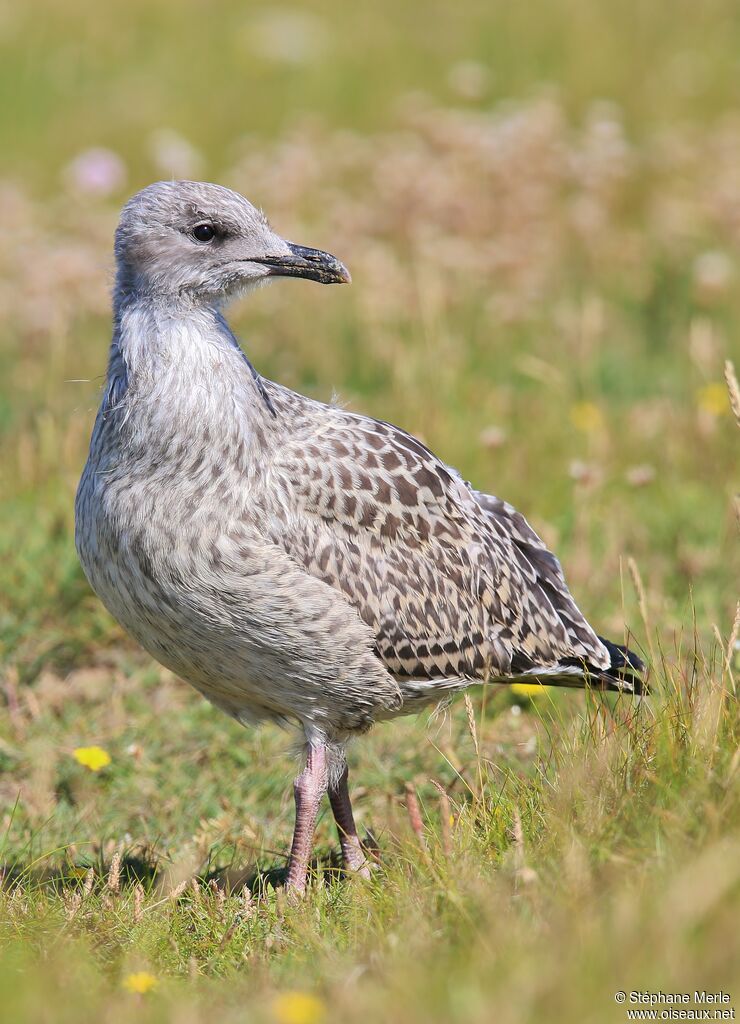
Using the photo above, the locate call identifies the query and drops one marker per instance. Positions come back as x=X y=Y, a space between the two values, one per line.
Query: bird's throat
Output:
x=178 y=374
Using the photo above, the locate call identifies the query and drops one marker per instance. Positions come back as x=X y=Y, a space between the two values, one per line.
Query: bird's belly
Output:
x=220 y=606
x=188 y=636
x=182 y=603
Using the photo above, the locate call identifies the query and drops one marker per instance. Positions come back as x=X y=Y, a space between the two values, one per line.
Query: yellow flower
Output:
x=528 y=689
x=139 y=982
x=586 y=417
x=713 y=399
x=93 y=758
x=297 y=1008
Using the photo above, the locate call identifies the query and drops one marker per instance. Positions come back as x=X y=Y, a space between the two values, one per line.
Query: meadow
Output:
x=541 y=213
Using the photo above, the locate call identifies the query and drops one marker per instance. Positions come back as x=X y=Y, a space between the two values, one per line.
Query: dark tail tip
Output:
x=626 y=668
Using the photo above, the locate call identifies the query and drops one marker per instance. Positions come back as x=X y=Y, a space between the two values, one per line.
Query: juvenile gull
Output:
x=293 y=561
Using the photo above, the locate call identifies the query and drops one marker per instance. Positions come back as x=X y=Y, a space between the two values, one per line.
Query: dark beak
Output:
x=309 y=263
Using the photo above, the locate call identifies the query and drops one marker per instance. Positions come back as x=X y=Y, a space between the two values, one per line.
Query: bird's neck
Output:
x=154 y=337
x=177 y=366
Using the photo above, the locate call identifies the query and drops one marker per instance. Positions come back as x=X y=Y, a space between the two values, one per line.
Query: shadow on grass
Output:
x=151 y=874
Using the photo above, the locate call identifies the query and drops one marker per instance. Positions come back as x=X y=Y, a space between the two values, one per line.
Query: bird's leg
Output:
x=309 y=788
x=353 y=856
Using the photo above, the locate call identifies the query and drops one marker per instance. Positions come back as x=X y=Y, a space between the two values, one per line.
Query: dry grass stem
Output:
x=734 y=390
x=414 y=813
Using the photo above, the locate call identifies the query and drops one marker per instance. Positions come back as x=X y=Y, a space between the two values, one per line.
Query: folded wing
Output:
x=452 y=582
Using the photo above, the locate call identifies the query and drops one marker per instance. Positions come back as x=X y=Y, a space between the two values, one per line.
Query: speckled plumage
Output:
x=292 y=560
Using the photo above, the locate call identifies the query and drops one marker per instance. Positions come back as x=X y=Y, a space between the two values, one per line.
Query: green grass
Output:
x=573 y=856
x=546 y=244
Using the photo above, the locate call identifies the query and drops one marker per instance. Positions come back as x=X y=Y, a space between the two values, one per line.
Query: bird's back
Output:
x=454 y=583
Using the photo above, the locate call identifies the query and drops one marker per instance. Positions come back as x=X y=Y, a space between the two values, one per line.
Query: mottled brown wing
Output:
x=453 y=583
x=504 y=518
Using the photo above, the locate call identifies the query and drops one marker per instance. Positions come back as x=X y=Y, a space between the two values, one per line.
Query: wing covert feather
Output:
x=453 y=583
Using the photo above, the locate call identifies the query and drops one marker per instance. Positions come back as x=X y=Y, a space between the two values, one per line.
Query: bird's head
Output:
x=206 y=243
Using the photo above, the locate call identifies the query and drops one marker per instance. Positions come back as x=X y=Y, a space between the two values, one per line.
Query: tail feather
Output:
x=626 y=674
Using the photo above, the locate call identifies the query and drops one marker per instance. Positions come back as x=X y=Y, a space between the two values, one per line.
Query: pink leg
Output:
x=353 y=856
x=309 y=789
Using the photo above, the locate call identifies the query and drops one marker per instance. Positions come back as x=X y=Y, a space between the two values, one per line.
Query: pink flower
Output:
x=96 y=171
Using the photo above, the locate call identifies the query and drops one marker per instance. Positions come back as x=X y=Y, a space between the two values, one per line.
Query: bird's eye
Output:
x=204 y=232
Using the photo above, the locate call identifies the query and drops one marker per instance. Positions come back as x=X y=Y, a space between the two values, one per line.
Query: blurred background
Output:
x=540 y=206
x=541 y=210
